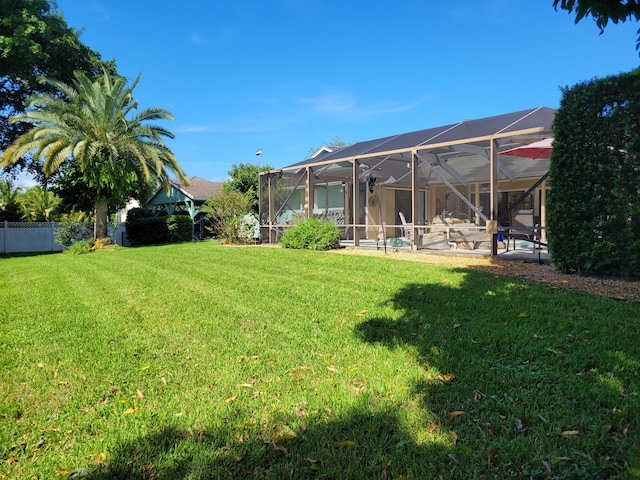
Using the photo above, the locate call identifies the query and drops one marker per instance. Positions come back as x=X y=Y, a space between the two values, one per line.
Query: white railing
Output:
x=19 y=237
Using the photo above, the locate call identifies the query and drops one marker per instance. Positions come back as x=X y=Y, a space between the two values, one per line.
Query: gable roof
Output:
x=323 y=150
x=197 y=192
x=198 y=189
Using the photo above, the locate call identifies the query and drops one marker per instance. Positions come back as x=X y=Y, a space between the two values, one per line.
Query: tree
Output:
x=39 y=205
x=244 y=180
x=98 y=126
x=226 y=213
x=602 y=11
x=36 y=41
x=10 y=208
x=68 y=184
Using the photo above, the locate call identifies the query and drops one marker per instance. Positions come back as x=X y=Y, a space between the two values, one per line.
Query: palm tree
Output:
x=10 y=209
x=97 y=125
x=39 y=204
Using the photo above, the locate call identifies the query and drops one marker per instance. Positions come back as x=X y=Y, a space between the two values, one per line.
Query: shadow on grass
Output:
x=548 y=381
x=524 y=382
x=28 y=254
x=357 y=446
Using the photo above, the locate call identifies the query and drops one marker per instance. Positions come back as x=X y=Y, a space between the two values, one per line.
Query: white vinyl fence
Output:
x=41 y=237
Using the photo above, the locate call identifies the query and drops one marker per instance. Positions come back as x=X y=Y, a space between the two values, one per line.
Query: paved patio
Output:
x=524 y=251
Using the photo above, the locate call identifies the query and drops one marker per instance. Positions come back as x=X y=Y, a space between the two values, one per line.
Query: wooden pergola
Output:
x=412 y=187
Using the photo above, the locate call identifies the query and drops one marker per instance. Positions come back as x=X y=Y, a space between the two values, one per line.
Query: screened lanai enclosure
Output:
x=458 y=186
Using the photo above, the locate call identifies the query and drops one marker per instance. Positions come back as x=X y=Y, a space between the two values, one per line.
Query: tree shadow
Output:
x=516 y=370
x=508 y=369
x=357 y=445
x=28 y=254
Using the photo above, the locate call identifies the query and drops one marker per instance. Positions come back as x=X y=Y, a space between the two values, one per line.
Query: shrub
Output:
x=594 y=205
x=226 y=213
x=312 y=234
x=101 y=243
x=69 y=232
x=180 y=228
x=140 y=212
x=145 y=229
x=79 y=248
x=249 y=228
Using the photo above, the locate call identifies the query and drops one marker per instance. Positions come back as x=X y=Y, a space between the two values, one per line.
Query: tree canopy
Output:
x=602 y=11
x=97 y=125
x=243 y=179
x=10 y=208
x=35 y=41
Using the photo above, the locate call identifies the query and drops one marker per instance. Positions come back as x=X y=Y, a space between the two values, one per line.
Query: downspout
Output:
x=384 y=234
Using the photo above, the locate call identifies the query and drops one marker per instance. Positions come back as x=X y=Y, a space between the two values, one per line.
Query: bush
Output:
x=69 y=232
x=79 y=248
x=180 y=228
x=145 y=229
x=226 y=213
x=137 y=213
x=594 y=205
x=312 y=234
x=101 y=243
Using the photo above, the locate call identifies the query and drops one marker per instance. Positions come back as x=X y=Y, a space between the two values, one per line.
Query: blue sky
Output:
x=287 y=76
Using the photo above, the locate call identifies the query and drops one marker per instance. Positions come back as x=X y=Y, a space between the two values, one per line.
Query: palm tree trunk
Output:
x=102 y=219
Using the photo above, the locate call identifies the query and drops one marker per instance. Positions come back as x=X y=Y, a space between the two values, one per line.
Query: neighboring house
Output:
x=121 y=215
x=183 y=198
x=323 y=150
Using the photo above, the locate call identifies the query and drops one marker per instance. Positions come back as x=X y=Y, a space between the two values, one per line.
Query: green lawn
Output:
x=201 y=361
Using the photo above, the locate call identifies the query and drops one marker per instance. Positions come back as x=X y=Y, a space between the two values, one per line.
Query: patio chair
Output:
x=406 y=227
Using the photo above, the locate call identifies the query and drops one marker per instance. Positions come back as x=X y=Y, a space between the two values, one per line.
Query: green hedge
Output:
x=594 y=204
x=312 y=234
x=136 y=213
x=145 y=229
x=180 y=228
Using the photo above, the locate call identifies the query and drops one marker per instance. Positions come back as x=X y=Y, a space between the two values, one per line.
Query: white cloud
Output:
x=346 y=105
x=254 y=124
x=100 y=11
x=331 y=103
x=198 y=39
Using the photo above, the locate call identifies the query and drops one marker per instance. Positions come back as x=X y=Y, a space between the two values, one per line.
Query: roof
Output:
x=458 y=152
x=198 y=191
x=199 y=188
x=499 y=125
x=323 y=150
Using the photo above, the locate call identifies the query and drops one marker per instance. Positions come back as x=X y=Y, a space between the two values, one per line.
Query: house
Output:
x=438 y=188
x=183 y=198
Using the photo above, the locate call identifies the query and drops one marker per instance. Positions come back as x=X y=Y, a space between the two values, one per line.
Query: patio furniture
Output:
x=406 y=227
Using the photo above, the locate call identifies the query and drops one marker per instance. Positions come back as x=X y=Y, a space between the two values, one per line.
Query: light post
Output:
x=258 y=154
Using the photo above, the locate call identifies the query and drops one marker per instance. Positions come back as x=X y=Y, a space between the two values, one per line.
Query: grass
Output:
x=198 y=361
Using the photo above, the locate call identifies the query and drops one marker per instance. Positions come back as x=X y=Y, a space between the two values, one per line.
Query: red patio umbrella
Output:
x=539 y=149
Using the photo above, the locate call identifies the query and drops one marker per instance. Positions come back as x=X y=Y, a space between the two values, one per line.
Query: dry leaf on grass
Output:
x=280 y=449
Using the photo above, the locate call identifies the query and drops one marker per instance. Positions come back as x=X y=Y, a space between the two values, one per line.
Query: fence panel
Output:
x=29 y=237
x=23 y=237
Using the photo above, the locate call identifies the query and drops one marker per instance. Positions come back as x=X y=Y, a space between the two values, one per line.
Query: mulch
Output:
x=617 y=288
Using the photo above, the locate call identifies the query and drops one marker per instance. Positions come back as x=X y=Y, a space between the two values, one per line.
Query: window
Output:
x=328 y=197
